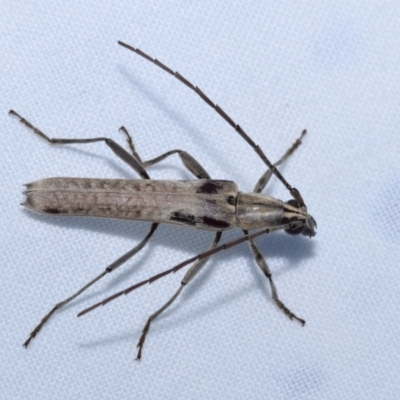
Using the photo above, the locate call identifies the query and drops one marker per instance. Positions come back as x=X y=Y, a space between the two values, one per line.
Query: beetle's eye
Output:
x=294 y=228
x=295 y=231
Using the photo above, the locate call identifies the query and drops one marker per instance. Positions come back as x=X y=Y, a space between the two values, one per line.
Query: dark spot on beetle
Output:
x=292 y=203
x=209 y=187
x=183 y=218
x=286 y=220
x=231 y=200
x=52 y=211
x=78 y=209
x=215 y=223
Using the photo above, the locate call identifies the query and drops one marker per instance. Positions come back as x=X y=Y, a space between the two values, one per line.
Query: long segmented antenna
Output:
x=293 y=191
x=179 y=266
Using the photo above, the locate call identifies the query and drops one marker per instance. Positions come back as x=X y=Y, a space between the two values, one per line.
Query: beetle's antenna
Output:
x=293 y=191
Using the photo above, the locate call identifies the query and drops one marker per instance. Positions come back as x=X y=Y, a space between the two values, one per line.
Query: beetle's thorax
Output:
x=258 y=211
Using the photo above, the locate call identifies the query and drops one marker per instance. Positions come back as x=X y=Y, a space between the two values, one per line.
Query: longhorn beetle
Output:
x=205 y=203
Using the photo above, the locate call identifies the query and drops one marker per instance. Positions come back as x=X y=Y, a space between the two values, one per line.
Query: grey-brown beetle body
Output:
x=204 y=203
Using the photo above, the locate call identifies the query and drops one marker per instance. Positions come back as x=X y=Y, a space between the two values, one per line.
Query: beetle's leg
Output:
x=193 y=271
x=263 y=181
x=260 y=260
x=135 y=162
x=115 y=147
x=113 y=266
x=188 y=161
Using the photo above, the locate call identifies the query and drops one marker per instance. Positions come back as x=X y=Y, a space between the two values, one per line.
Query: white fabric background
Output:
x=330 y=67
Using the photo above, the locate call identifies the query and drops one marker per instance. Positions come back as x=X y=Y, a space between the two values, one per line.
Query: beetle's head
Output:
x=298 y=219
